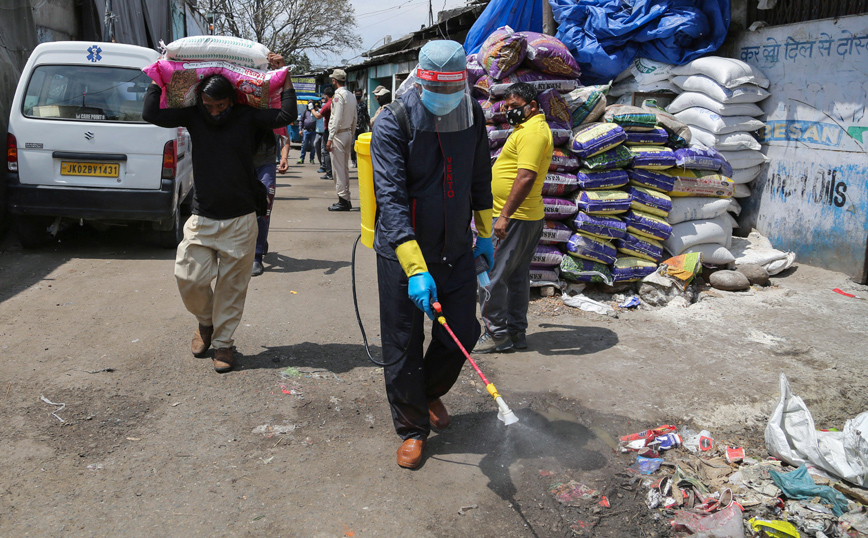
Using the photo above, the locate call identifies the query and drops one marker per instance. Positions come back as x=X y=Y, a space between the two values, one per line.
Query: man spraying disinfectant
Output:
x=431 y=166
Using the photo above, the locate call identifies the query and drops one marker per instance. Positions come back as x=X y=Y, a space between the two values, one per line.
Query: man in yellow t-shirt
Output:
x=517 y=181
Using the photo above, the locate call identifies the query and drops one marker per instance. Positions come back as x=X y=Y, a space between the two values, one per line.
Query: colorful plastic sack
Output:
x=596 y=138
x=494 y=111
x=659 y=181
x=587 y=104
x=603 y=179
x=650 y=201
x=607 y=202
x=699 y=183
x=497 y=134
x=481 y=88
x=542 y=275
x=547 y=256
x=558 y=208
x=652 y=157
x=699 y=158
x=475 y=71
x=547 y=54
x=640 y=247
x=591 y=248
x=679 y=132
x=631 y=117
x=656 y=137
x=607 y=228
x=502 y=52
x=540 y=81
x=563 y=161
x=555 y=232
x=581 y=270
x=631 y=268
x=617 y=157
x=555 y=109
x=179 y=80
x=560 y=136
x=647 y=226
x=559 y=184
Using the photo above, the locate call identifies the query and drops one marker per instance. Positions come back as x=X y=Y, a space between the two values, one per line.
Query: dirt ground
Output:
x=298 y=441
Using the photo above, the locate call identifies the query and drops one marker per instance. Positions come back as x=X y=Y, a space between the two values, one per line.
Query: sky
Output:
x=376 y=19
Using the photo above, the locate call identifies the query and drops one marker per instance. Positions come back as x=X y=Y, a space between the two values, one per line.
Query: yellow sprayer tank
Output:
x=366 y=188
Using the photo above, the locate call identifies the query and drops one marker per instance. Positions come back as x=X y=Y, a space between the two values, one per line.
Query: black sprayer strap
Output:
x=400 y=112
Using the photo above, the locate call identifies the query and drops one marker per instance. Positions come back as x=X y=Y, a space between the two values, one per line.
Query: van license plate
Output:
x=90 y=169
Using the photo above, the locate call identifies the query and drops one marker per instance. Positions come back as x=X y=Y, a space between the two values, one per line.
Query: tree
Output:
x=289 y=27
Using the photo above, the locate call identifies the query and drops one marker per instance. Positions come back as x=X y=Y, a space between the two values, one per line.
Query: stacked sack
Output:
x=643 y=75
x=719 y=103
x=507 y=57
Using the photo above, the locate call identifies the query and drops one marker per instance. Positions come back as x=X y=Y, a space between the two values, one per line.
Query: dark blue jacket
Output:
x=428 y=187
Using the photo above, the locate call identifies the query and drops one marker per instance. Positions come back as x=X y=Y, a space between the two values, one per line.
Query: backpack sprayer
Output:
x=368 y=208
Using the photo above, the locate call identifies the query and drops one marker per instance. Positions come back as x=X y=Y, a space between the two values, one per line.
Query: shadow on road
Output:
x=337 y=358
x=571 y=340
x=280 y=263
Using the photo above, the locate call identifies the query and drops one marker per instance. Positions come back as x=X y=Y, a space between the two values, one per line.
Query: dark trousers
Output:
x=266 y=175
x=420 y=378
x=307 y=138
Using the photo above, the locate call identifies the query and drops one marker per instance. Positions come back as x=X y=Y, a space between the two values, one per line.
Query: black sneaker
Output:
x=341 y=205
x=327 y=176
x=489 y=343
x=257 y=268
x=519 y=340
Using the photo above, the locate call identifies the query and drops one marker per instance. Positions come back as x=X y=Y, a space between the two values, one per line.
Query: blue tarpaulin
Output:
x=520 y=15
x=606 y=35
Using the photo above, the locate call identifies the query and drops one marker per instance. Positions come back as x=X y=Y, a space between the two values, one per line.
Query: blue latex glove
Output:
x=484 y=247
x=423 y=292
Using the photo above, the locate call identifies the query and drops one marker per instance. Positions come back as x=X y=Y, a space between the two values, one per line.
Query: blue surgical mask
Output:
x=441 y=104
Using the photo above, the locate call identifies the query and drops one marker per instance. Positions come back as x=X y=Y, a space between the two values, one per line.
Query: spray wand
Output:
x=504 y=413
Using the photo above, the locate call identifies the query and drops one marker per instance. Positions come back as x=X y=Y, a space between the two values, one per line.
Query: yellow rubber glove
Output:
x=410 y=257
x=482 y=219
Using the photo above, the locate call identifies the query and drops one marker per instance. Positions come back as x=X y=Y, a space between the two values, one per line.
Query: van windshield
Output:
x=86 y=93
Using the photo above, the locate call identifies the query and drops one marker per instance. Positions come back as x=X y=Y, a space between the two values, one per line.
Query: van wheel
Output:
x=172 y=238
x=32 y=231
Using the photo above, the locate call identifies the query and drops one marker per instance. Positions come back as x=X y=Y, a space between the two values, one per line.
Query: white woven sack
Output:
x=647 y=71
x=712 y=253
x=741 y=176
x=734 y=207
x=697 y=232
x=724 y=142
x=746 y=158
x=746 y=93
x=741 y=191
x=728 y=72
x=717 y=124
x=210 y=48
x=696 y=208
x=691 y=99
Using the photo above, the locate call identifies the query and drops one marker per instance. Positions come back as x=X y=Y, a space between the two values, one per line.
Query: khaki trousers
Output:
x=197 y=264
x=341 y=145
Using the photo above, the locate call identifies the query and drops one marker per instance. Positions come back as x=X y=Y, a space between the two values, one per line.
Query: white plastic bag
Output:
x=746 y=93
x=717 y=124
x=724 y=142
x=745 y=158
x=745 y=175
x=697 y=232
x=712 y=253
x=696 y=208
x=728 y=72
x=691 y=99
x=234 y=50
x=792 y=436
x=757 y=249
x=588 y=305
x=647 y=71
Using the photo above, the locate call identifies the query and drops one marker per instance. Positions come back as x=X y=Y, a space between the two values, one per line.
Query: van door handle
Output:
x=89 y=156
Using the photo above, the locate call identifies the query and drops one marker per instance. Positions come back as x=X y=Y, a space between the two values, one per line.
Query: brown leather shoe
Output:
x=437 y=414
x=224 y=359
x=202 y=340
x=410 y=453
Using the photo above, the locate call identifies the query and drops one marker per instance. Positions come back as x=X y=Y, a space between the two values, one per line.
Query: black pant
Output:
x=417 y=379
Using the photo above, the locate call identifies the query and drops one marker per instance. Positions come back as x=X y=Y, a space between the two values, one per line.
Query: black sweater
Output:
x=222 y=154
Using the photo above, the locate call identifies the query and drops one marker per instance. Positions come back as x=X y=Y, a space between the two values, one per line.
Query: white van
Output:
x=78 y=148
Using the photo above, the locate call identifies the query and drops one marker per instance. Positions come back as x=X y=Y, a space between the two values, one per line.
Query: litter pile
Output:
x=710 y=489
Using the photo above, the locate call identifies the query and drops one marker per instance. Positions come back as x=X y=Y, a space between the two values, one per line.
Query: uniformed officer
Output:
x=432 y=172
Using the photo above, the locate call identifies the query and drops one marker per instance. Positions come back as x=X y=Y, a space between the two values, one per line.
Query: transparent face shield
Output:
x=447 y=104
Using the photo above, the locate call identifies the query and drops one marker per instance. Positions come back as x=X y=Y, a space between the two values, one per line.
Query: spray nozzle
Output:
x=437 y=308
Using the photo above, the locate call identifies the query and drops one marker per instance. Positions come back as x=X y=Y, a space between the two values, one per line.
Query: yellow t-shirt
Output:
x=528 y=147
